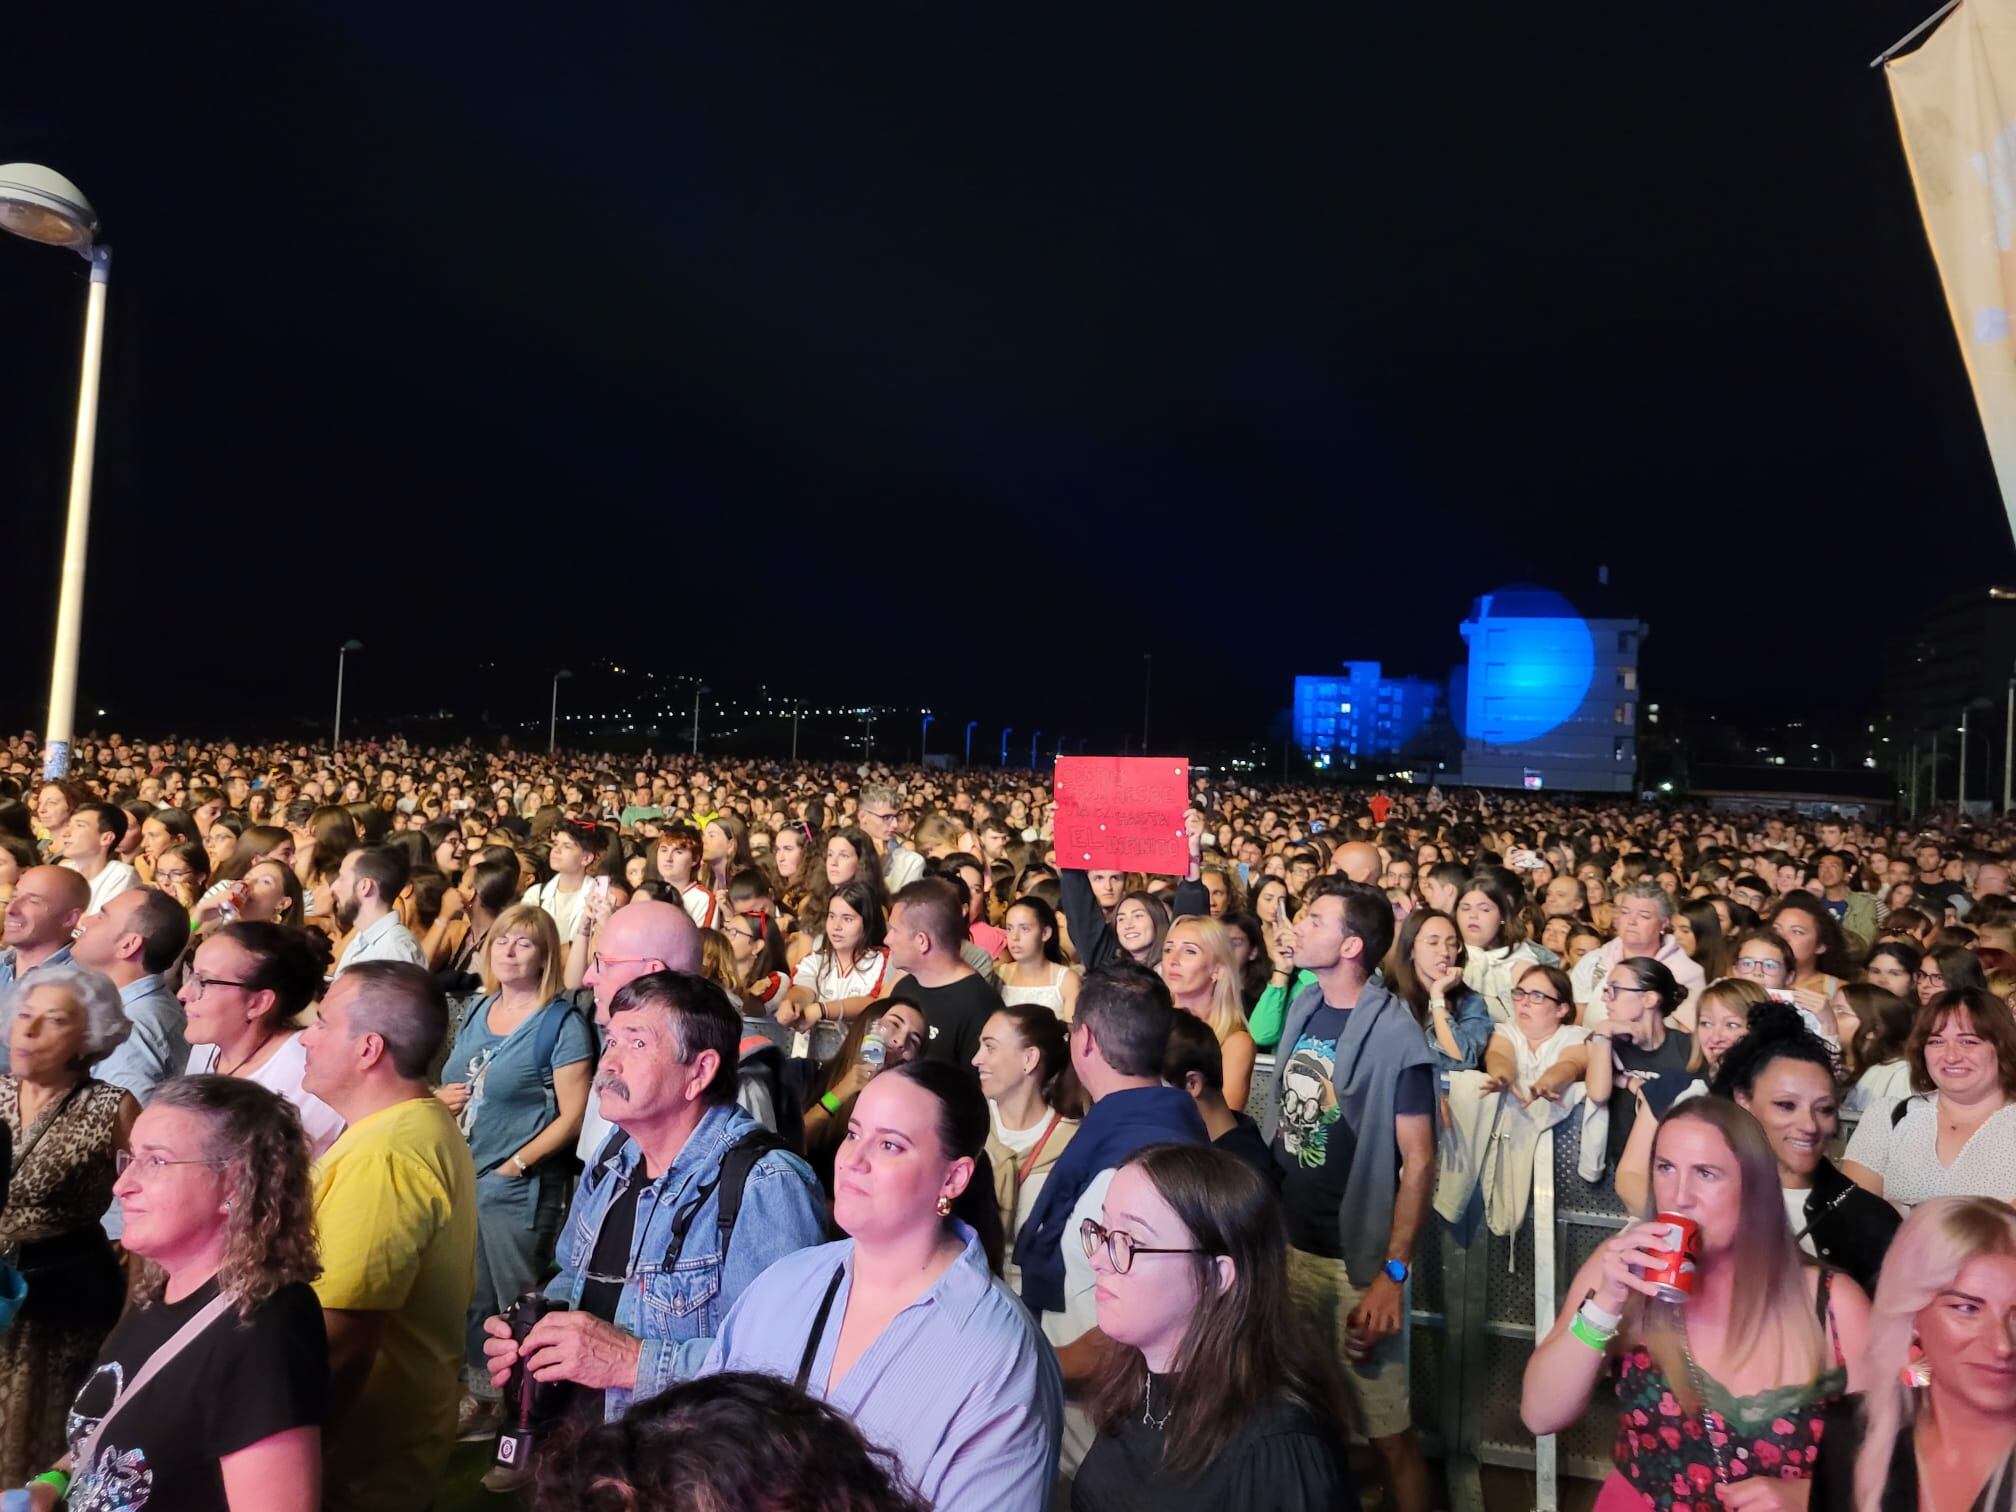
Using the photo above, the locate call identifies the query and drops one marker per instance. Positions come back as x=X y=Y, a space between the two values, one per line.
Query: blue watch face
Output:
x=1396 y=1270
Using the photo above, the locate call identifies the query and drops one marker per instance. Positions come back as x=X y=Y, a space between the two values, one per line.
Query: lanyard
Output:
x=1029 y=1161
x=819 y=1326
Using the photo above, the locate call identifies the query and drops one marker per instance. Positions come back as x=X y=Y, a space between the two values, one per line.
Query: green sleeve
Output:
x=1265 y=1021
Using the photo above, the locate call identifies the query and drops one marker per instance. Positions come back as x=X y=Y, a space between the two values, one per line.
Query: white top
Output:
x=1020 y=1142
x=1878 y=1088
x=385 y=940
x=565 y=907
x=1491 y=974
x=1527 y=1061
x=1795 y=1214
x=821 y=974
x=1906 y=1155
x=116 y=877
x=701 y=906
x=1594 y=970
x=1080 y=1314
x=1051 y=997
x=901 y=867
x=282 y=1073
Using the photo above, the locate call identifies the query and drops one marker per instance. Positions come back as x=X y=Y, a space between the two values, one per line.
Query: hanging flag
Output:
x=1956 y=110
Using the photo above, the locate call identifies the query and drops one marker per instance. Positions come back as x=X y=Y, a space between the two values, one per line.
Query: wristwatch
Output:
x=1396 y=1271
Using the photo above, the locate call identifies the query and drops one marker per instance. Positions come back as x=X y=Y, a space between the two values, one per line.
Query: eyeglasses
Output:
x=602 y=963
x=1929 y=976
x=124 y=1161
x=1759 y=963
x=1521 y=995
x=1121 y=1246
x=1611 y=989
x=888 y=818
x=203 y=983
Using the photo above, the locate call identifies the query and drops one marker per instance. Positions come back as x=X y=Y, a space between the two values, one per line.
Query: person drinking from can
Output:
x=1763 y=1326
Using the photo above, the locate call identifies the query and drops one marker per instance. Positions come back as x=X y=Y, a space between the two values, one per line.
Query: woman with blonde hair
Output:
x=1724 y=1393
x=517 y=1081
x=1938 y=1422
x=1204 y=981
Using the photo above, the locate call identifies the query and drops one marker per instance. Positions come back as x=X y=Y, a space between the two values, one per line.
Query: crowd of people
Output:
x=712 y=1133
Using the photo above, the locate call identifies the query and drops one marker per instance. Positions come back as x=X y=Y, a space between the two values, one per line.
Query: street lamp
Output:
x=1004 y=744
x=553 y=725
x=924 y=738
x=971 y=726
x=1032 y=749
x=703 y=688
x=336 y=740
x=43 y=206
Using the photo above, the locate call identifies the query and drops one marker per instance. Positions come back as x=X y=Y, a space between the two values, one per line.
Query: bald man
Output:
x=1359 y=861
x=47 y=903
x=639 y=938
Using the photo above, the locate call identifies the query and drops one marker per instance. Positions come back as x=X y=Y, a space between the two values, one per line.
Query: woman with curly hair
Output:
x=216 y=1200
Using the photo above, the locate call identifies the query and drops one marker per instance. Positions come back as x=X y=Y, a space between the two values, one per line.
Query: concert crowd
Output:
x=720 y=1133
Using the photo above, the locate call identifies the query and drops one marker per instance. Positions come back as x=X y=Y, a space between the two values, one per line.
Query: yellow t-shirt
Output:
x=395 y=1209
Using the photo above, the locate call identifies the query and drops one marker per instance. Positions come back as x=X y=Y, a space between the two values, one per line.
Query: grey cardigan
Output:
x=1381 y=1039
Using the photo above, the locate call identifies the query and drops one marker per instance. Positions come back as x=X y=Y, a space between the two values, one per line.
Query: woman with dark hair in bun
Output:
x=1632 y=1050
x=1784 y=1074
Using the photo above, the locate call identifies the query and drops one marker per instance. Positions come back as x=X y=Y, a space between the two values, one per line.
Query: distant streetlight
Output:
x=703 y=688
x=971 y=726
x=41 y=205
x=553 y=725
x=336 y=739
x=1032 y=749
x=1004 y=744
x=924 y=738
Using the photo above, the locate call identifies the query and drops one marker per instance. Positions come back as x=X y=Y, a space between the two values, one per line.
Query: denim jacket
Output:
x=675 y=1304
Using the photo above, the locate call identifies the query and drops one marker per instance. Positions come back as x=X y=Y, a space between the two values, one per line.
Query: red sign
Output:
x=1381 y=806
x=1122 y=813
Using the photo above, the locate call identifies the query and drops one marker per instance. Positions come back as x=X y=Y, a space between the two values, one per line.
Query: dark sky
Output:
x=958 y=355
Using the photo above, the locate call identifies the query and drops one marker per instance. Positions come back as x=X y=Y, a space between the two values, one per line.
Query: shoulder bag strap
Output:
x=819 y=1327
x=87 y=1447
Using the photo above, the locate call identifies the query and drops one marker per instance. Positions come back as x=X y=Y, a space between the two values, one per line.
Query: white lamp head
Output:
x=44 y=206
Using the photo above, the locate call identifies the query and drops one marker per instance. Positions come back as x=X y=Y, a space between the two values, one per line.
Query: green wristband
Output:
x=1596 y=1338
x=60 y=1479
x=830 y=1103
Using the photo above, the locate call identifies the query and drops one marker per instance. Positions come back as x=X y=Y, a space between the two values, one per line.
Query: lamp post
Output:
x=43 y=206
x=1004 y=744
x=336 y=738
x=703 y=688
x=924 y=738
x=1032 y=749
x=553 y=724
x=794 y=728
x=971 y=726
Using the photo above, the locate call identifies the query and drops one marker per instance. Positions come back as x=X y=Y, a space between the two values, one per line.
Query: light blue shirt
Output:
x=155 y=1050
x=961 y=1386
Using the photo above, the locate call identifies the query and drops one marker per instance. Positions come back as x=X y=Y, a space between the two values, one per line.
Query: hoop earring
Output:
x=944 y=1206
x=1917 y=1372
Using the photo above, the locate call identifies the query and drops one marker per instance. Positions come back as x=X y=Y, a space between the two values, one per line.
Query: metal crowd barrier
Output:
x=1478 y=1303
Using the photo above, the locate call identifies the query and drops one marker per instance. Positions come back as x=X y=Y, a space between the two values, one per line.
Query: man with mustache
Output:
x=668 y=1227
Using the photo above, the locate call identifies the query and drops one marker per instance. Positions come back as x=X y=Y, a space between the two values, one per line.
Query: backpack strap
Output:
x=546 y=1039
x=729 y=1178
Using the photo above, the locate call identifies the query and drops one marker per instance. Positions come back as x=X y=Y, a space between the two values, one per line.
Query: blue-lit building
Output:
x=1550 y=698
x=1346 y=719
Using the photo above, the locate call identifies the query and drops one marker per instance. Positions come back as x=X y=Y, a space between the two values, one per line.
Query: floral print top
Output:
x=1665 y=1452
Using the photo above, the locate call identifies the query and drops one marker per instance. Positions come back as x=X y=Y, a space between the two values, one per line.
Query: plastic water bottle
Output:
x=873 y=1054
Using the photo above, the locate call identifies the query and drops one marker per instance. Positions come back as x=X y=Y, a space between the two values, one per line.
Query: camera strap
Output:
x=819 y=1326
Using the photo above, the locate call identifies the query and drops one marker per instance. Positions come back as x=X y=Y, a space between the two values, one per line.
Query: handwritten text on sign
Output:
x=1122 y=813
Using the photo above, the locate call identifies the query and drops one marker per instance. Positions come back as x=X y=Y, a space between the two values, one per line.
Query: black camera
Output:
x=529 y=1406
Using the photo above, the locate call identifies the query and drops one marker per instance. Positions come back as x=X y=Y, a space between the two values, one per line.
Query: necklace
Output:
x=1148 y=1405
x=264 y=1041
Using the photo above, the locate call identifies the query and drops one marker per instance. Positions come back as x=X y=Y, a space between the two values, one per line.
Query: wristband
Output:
x=519 y=1161
x=1596 y=1338
x=58 y=1478
x=1600 y=1318
x=830 y=1103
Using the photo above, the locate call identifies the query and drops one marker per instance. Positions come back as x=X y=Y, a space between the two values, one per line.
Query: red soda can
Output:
x=1677 y=1241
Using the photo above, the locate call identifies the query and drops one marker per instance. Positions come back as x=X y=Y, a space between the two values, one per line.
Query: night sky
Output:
x=960 y=355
